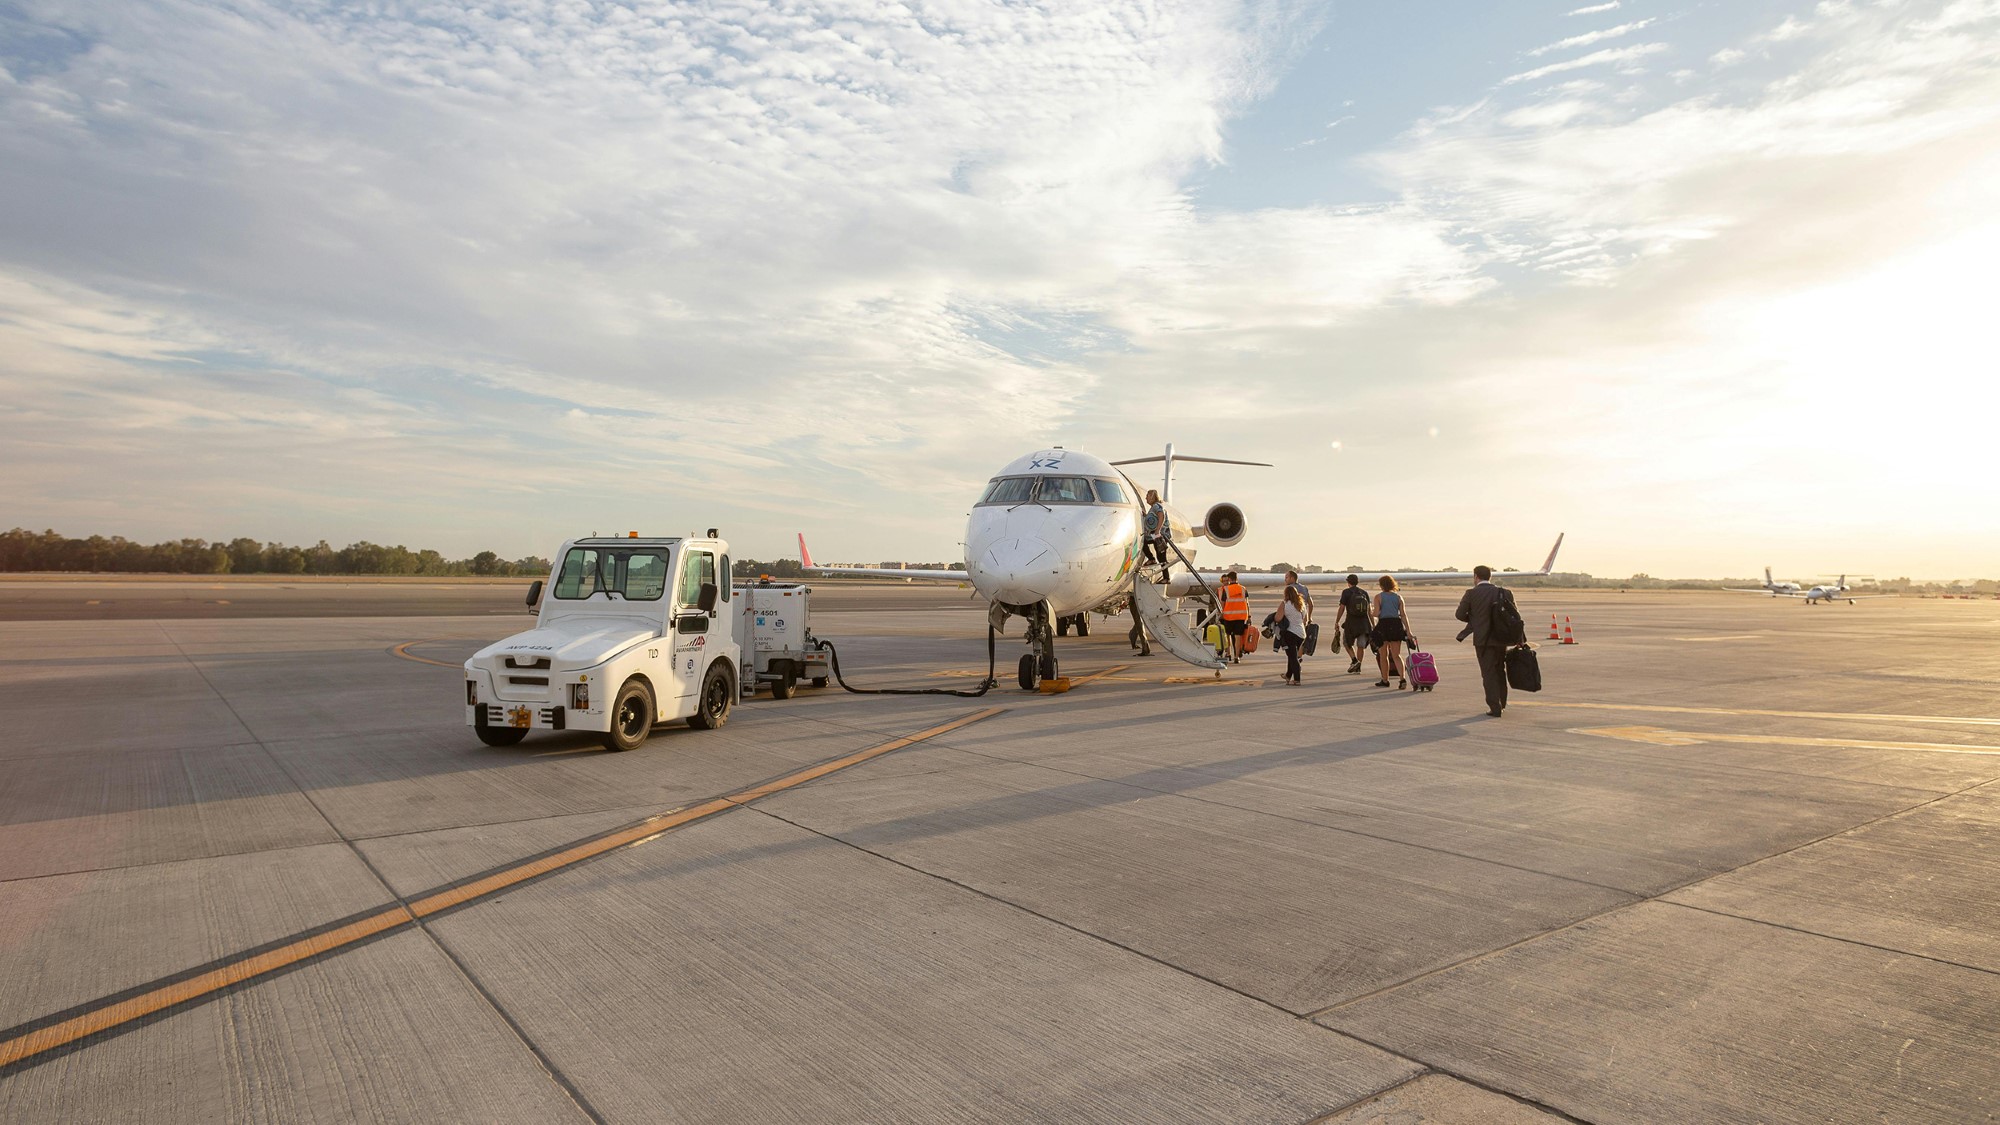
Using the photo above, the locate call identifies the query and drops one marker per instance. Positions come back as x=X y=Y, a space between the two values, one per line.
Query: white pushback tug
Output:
x=635 y=632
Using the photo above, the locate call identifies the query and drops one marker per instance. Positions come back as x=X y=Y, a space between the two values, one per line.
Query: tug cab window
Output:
x=698 y=568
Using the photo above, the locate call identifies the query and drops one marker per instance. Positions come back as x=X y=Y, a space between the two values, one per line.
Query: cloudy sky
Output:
x=1707 y=284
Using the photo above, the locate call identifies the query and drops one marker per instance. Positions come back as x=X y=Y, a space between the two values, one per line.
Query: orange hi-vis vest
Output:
x=1235 y=603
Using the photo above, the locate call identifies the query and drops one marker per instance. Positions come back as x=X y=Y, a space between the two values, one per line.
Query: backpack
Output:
x=1504 y=625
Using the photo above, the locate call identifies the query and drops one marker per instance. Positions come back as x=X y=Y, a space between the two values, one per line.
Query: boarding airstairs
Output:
x=1163 y=617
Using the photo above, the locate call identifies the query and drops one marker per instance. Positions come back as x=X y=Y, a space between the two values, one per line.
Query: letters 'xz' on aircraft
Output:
x=1823 y=592
x=1057 y=534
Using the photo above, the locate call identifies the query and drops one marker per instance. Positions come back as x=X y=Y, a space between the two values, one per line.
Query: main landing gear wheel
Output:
x=501 y=736
x=718 y=691
x=1082 y=625
x=631 y=718
x=1031 y=672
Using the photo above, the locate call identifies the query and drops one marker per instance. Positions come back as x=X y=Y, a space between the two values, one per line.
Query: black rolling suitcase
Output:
x=1312 y=640
x=1524 y=669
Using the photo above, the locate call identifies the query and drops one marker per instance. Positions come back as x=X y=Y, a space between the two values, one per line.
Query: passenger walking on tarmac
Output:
x=1354 y=623
x=1137 y=637
x=1476 y=609
x=1292 y=584
x=1391 y=630
x=1235 y=614
x=1292 y=614
x=1157 y=529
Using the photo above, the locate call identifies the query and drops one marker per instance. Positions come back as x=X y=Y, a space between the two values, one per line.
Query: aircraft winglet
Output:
x=1549 y=564
x=805 y=556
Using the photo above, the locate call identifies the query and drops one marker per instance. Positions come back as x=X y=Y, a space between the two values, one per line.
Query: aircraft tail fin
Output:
x=1167 y=460
x=1549 y=564
x=1768 y=580
x=805 y=556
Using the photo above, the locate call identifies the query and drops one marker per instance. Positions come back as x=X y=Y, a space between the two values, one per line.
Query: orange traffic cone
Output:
x=1568 y=637
x=1554 y=635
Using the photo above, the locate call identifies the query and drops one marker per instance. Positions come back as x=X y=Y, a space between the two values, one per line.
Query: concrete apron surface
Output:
x=1738 y=862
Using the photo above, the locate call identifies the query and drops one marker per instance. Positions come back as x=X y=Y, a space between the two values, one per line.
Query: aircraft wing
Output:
x=1864 y=597
x=1743 y=590
x=1333 y=578
x=1260 y=579
x=806 y=561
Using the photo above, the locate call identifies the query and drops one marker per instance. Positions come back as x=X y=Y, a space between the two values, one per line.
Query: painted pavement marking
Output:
x=23 y=1043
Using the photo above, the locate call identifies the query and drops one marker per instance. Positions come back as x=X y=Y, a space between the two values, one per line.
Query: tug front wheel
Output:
x=718 y=691
x=631 y=717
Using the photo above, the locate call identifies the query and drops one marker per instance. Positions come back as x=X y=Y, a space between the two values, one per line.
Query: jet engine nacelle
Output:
x=1223 y=526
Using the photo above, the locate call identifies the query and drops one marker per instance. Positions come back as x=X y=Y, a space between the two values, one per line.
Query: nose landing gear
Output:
x=1039 y=662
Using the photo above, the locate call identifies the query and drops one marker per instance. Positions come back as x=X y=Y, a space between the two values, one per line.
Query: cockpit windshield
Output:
x=1053 y=490
x=636 y=574
x=1009 y=490
x=1065 y=490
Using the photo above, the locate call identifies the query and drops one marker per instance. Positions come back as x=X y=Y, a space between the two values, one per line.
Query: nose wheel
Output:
x=1039 y=662
x=1034 y=669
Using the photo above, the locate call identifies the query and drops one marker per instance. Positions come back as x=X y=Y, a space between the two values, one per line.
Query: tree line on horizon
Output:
x=23 y=551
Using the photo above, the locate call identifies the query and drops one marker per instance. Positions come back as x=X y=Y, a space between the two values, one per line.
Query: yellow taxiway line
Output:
x=1939 y=720
x=41 y=1036
x=403 y=650
x=1661 y=737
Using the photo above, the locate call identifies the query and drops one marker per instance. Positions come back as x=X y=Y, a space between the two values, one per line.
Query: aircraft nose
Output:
x=1018 y=571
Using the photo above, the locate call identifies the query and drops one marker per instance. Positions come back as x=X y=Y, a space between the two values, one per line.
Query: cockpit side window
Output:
x=1109 y=492
x=1009 y=490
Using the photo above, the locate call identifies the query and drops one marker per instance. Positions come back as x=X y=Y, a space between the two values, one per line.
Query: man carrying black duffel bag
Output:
x=1496 y=626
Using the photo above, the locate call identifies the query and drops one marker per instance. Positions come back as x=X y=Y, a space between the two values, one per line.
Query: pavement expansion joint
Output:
x=1661 y=899
x=45 y=1037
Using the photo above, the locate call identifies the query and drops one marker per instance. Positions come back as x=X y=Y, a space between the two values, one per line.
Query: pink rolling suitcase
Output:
x=1423 y=670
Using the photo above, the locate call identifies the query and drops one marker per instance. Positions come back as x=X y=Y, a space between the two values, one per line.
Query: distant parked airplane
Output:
x=1820 y=593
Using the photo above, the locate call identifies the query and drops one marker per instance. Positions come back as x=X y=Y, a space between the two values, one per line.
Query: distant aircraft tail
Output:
x=1768 y=580
x=805 y=556
x=1549 y=564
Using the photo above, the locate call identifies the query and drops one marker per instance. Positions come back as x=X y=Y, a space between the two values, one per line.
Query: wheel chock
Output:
x=1055 y=686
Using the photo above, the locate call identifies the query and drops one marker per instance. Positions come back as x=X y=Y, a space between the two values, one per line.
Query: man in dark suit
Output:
x=1476 y=609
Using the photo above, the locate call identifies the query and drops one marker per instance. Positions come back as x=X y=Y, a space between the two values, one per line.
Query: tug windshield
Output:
x=636 y=574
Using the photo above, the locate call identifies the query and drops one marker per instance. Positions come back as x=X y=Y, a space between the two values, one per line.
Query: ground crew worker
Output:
x=1235 y=614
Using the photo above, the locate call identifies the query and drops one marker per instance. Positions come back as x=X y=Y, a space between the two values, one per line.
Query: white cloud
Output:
x=1594 y=9
x=493 y=216
x=1590 y=37
x=1608 y=57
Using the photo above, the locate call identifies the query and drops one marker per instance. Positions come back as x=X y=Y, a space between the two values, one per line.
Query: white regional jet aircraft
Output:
x=1056 y=535
x=1819 y=593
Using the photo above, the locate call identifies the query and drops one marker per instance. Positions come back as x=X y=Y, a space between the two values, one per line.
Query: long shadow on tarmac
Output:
x=1093 y=793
